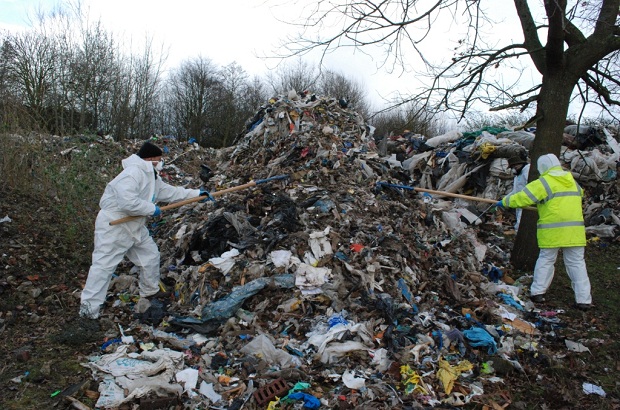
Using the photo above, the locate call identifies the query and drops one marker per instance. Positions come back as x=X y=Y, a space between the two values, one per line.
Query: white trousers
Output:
x=519 y=212
x=575 y=267
x=112 y=244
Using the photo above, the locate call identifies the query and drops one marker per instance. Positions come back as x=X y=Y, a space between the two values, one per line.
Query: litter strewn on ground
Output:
x=338 y=286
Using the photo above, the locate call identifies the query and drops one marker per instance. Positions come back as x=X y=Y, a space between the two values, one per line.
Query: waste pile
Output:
x=333 y=283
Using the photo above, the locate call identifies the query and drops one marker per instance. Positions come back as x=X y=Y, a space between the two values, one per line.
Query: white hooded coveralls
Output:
x=132 y=193
x=519 y=182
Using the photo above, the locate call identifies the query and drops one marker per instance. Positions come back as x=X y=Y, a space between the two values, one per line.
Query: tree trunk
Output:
x=552 y=108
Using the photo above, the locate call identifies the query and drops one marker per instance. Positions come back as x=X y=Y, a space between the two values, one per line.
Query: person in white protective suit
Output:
x=134 y=192
x=558 y=199
x=521 y=169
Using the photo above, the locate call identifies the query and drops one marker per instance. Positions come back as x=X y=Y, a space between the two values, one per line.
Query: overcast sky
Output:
x=227 y=31
x=224 y=31
x=243 y=31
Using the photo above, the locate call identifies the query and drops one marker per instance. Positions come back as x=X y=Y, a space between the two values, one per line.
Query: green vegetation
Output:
x=68 y=173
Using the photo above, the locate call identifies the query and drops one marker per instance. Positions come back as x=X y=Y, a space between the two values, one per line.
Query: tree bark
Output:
x=552 y=109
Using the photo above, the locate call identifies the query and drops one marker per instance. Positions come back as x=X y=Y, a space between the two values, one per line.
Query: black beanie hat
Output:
x=149 y=150
x=516 y=161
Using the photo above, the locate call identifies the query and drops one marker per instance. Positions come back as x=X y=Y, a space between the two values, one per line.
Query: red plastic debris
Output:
x=357 y=247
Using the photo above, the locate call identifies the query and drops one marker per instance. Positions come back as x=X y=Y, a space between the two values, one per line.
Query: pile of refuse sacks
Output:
x=330 y=281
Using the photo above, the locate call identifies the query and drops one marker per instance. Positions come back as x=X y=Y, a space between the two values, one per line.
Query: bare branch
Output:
x=600 y=89
x=520 y=103
x=530 y=32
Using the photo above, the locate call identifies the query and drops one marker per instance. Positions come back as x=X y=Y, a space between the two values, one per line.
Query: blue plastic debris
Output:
x=479 y=337
x=324 y=205
x=509 y=300
x=337 y=320
x=294 y=351
x=438 y=337
x=310 y=402
x=110 y=342
x=404 y=289
x=340 y=255
x=493 y=273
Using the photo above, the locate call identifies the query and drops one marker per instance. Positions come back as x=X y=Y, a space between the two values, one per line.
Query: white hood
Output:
x=546 y=162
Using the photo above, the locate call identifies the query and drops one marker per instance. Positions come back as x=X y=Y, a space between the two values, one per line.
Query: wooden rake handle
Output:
x=451 y=195
x=448 y=194
x=202 y=197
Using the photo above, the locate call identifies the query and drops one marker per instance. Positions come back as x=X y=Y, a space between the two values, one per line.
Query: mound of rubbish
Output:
x=334 y=280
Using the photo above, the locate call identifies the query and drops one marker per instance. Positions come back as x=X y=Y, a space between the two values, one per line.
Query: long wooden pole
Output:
x=448 y=194
x=202 y=198
x=451 y=195
x=189 y=201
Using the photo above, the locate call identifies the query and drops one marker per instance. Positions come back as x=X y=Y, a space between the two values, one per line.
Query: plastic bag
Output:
x=226 y=261
x=262 y=347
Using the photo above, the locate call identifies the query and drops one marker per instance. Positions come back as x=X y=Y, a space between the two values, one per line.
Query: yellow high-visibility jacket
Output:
x=558 y=199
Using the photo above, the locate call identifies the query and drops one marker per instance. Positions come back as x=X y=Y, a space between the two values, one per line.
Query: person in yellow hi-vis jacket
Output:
x=560 y=225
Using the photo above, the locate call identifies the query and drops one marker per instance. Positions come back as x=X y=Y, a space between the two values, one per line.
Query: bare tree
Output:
x=407 y=117
x=134 y=99
x=256 y=94
x=147 y=75
x=234 y=105
x=298 y=76
x=337 y=85
x=573 y=47
x=210 y=103
x=68 y=73
x=192 y=89
x=10 y=105
x=302 y=76
x=94 y=67
x=478 y=120
x=30 y=68
x=86 y=65
x=121 y=101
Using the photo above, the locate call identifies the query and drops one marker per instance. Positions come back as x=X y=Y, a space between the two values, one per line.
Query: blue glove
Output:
x=204 y=192
x=157 y=211
x=499 y=204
